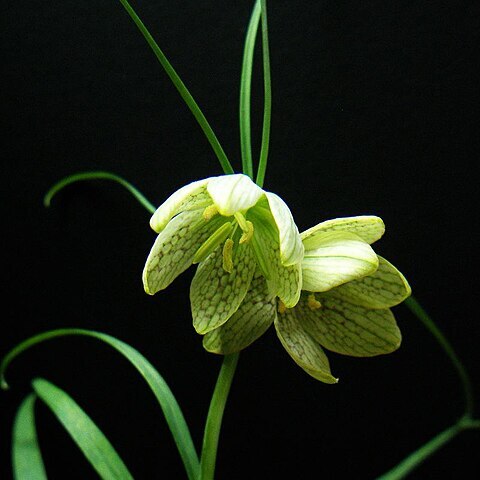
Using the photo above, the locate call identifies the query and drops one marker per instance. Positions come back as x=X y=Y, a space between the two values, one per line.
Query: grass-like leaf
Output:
x=88 y=437
x=162 y=392
x=27 y=460
x=182 y=89
x=245 y=91
x=96 y=175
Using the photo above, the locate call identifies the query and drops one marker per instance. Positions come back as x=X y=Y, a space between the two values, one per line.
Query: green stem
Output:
x=267 y=109
x=245 y=91
x=421 y=454
x=423 y=316
x=215 y=415
x=182 y=89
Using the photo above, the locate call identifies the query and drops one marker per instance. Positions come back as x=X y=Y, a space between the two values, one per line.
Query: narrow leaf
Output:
x=88 y=437
x=181 y=88
x=155 y=381
x=81 y=176
x=267 y=98
x=245 y=90
x=26 y=456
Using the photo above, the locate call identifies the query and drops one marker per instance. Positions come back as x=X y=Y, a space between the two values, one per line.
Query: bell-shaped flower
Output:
x=232 y=229
x=345 y=305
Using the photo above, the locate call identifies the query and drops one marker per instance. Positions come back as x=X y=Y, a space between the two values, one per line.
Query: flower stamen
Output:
x=281 y=307
x=313 y=303
x=227 y=263
x=247 y=234
x=210 y=212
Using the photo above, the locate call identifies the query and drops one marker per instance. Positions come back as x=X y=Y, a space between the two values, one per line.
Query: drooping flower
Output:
x=232 y=229
x=344 y=307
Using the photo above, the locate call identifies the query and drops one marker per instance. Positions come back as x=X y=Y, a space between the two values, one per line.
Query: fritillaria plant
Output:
x=325 y=288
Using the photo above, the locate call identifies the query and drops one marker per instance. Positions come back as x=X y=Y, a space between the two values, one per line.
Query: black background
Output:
x=375 y=111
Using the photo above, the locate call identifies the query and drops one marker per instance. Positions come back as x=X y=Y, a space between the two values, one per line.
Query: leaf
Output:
x=155 y=381
x=88 y=437
x=26 y=456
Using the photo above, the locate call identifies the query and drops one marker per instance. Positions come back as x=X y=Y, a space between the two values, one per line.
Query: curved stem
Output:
x=267 y=109
x=182 y=89
x=421 y=454
x=215 y=415
x=423 y=316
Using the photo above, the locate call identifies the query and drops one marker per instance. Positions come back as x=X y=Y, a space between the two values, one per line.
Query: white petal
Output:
x=233 y=193
x=369 y=228
x=384 y=288
x=339 y=258
x=350 y=329
x=188 y=197
x=291 y=247
x=215 y=294
x=174 y=249
x=254 y=316
x=302 y=347
x=284 y=281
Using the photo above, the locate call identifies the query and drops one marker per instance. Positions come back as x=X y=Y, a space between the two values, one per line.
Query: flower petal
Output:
x=385 y=288
x=338 y=258
x=304 y=350
x=369 y=228
x=191 y=196
x=233 y=193
x=252 y=319
x=216 y=294
x=174 y=249
x=284 y=281
x=291 y=247
x=343 y=327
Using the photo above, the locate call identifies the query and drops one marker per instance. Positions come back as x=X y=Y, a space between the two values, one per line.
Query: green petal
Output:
x=233 y=193
x=252 y=319
x=343 y=327
x=385 y=288
x=191 y=196
x=216 y=294
x=338 y=258
x=175 y=247
x=283 y=281
x=369 y=228
x=291 y=247
x=304 y=350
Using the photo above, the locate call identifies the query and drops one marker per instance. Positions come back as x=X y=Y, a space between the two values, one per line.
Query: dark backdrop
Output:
x=374 y=112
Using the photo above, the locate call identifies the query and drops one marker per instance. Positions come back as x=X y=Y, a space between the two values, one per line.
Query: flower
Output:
x=344 y=306
x=232 y=229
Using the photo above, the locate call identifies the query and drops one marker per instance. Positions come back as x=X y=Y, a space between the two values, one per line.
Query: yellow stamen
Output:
x=210 y=212
x=228 y=255
x=247 y=234
x=281 y=307
x=313 y=303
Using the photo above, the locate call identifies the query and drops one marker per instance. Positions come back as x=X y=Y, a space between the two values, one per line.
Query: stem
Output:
x=267 y=108
x=423 y=316
x=215 y=415
x=182 y=89
x=421 y=454
x=245 y=90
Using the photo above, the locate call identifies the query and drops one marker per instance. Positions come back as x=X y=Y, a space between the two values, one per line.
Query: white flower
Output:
x=345 y=305
x=232 y=229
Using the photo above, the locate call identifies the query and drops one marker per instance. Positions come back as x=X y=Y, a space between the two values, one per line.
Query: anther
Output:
x=248 y=233
x=210 y=212
x=227 y=263
x=313 y=303
x=281 y=307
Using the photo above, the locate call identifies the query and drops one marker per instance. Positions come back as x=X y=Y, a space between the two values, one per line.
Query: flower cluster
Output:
x=324 y=288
